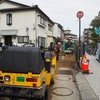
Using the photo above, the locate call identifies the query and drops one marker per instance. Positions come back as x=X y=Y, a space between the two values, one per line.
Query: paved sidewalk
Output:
x=94 y=79
x=86 y=92
x=64 y=88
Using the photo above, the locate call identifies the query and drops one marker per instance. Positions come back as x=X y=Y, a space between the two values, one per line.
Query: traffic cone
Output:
x=82 y=64
x=83 y=60
x=85 y=64
x=85 y=67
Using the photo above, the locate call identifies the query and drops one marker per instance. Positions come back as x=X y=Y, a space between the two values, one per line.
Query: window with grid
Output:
x=9 y=19
x=49 y=27
x=23 y=39
x=42 y=21
x=41 y=41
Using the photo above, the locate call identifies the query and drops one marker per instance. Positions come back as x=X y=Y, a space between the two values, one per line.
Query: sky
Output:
x=64 y=12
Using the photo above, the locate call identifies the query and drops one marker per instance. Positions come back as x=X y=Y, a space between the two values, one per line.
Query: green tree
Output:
x=95 y=23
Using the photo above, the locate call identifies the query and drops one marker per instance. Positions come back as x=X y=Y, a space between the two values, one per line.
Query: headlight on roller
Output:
x=7 y=78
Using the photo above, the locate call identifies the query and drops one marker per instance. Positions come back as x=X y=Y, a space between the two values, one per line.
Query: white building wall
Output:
x=56 y=31
x=20 y=20
x=55 y=27
x=59 y=32
x=41 y=31
x=6 y=4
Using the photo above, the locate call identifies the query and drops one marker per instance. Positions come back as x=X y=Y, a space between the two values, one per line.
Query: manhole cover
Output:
x=63 y=78
x=62 y=91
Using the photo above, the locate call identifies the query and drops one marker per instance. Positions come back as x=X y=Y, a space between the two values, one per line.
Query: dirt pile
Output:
x=68 y=62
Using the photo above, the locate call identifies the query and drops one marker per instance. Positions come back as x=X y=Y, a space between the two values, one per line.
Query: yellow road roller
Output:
x=26 y=73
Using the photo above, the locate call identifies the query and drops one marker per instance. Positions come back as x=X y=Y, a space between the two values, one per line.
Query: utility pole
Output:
x=79 y=15
x=79 y=38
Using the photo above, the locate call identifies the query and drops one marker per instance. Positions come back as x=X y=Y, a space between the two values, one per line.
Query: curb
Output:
x=84 y=88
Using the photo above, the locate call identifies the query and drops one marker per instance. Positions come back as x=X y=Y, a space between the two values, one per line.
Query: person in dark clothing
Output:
x=57 y=50
x=51 y=47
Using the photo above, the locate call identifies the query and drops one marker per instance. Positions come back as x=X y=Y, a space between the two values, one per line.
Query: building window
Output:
x=9 y=19
x=41 y=41
x=23 y=39
x=49 y=27
x=42 y=21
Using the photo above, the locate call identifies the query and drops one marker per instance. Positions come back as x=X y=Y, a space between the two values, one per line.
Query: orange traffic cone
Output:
x=84 y=65
x=83 y=60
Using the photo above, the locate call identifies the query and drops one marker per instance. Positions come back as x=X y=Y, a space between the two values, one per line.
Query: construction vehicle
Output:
x=67 y=47
x=25 y=73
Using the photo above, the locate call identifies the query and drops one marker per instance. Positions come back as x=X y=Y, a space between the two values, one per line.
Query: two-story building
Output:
x=58 y=32
x=21 y=23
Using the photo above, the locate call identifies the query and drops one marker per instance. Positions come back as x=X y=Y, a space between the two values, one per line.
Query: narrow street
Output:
x=64 y=87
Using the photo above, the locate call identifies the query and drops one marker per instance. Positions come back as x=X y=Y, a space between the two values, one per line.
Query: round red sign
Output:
x=80 y=14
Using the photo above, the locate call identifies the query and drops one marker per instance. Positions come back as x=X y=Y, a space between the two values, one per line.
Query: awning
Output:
x=8 y=32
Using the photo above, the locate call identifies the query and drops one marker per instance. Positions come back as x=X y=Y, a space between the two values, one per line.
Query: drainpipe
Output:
x=36 y=28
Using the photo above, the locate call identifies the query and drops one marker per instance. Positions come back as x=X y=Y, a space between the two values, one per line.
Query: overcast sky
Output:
x=64 y=12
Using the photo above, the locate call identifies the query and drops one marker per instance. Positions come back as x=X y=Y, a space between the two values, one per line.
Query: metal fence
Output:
x=76 y=50
x=90 y=50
